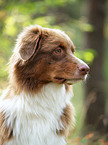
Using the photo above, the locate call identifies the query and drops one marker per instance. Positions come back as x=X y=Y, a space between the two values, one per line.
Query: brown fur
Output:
x=5 y=133
x=30 y=75
x=66 y=119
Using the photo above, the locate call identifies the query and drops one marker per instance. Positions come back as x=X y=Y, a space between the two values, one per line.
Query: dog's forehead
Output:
x=60 y=37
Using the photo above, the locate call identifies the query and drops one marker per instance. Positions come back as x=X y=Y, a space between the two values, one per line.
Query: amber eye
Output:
x=58 y=51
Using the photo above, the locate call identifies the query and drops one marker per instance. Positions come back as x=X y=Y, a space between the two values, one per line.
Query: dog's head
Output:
x=44 y=55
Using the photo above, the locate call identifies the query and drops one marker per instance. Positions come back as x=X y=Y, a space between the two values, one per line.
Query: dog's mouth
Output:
x=69 y=81
x=60 y=80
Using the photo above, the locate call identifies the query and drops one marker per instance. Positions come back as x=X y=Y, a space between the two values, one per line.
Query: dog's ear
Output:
x=29 y=43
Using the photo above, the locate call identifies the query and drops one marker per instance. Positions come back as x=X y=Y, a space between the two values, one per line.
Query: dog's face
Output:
x=45 y=55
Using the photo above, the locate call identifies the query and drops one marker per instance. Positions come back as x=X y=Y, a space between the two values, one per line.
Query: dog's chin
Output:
x=76 y=80
x=70 y=81
x=73 y=81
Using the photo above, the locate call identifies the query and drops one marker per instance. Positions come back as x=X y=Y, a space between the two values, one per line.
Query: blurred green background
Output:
x=71 y=16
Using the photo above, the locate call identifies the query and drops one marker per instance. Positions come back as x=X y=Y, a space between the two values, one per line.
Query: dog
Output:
x=36 y=108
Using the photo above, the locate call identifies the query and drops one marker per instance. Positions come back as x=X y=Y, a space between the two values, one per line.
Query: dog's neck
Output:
x=50 y=92
x=26 y=110
x=51 y=100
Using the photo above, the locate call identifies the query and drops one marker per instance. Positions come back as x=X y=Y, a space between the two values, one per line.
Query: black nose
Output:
x=84 y=69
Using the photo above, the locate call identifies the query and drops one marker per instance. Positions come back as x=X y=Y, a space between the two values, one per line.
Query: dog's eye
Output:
x=59 y=51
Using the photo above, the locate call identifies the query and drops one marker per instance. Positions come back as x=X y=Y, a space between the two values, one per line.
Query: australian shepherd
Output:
x=36 y=109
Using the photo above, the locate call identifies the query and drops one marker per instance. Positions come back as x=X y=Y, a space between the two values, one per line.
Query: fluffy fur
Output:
x=36 y=107
x=33 y=118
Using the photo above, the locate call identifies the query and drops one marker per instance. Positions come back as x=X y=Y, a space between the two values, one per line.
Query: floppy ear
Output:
x=29 y=43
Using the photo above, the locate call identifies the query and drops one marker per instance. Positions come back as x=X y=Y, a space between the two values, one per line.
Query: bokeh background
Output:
x=86 y=22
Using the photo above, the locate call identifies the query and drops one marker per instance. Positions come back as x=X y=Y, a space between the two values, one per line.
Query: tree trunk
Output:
x=95 y=93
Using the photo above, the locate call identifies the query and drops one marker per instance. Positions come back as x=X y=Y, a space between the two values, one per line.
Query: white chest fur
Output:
x=34 y=119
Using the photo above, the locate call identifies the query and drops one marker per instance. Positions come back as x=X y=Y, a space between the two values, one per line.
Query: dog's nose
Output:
x=84 y=69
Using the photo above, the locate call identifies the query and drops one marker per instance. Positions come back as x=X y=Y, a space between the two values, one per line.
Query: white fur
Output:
x=34 y=119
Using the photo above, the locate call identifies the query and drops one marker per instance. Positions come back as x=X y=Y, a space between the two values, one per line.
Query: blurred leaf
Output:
x=5 y=47
x=2 y=61
x=83 y=25
x=10 y=28
x=86 y=27
x=27 y=8
x=84 y=141
x=106 y=31
x=87 y=55
x=3 y=72
x=1 y=2
x=44 y=21
x=56 y=2
x=2 y=13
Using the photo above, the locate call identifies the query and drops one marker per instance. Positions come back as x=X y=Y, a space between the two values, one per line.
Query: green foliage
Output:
x=86 y=55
